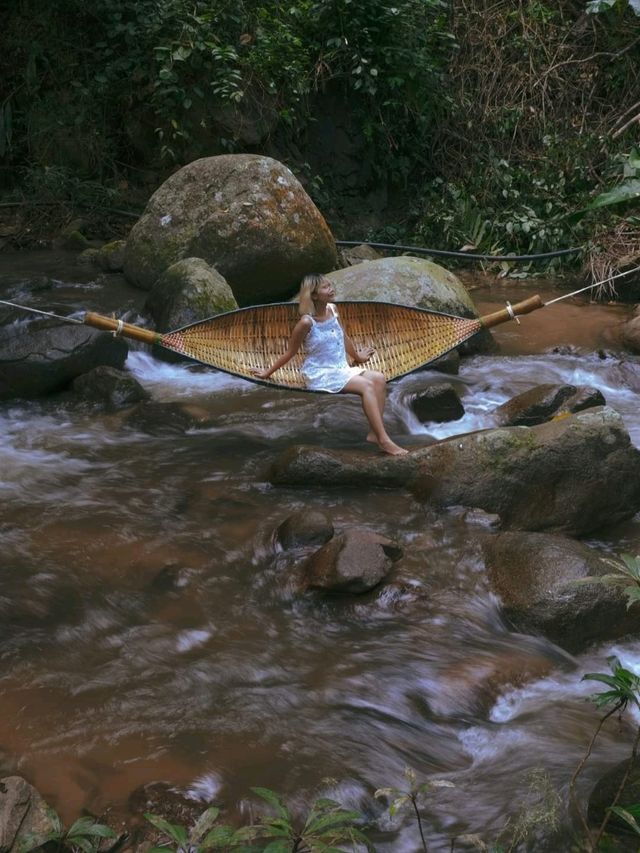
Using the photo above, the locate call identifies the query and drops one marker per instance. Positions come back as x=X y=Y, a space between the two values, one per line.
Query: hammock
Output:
x=237 y=342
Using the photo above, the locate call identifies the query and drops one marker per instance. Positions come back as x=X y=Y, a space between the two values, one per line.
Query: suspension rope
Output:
x=45 y=313
x=591 y=286
x=443 y=253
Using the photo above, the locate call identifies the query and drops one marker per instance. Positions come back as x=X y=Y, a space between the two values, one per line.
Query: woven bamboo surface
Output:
x=404 y=338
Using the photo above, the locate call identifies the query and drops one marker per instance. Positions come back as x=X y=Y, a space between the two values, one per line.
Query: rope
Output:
x=469 y=255
x=45 y=313
x=591 y=286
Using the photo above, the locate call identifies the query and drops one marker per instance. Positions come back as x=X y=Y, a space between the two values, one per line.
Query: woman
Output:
x=326 y=367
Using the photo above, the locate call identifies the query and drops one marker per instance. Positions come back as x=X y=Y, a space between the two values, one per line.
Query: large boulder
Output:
x=539 y=578
x=246 y=215
x=410 y=281
x=42 y=357
x=574 y=475
x=188 y=291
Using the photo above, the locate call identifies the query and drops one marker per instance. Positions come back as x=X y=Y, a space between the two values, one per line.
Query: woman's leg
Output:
x=370 y=396
x=380 y=386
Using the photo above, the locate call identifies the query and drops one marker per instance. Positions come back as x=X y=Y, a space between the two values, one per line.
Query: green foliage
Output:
x=624 y=686
x=630 y=815
x=628 y=189
x=326 y=826
x=626 y=575
x=202 y=836
x=83 y=836
x=595 y=6
x=412 y=796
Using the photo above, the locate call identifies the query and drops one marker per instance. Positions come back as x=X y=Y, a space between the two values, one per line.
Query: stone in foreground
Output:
x=573 y=475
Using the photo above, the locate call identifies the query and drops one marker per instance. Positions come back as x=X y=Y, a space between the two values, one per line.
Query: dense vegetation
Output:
x=490 y=123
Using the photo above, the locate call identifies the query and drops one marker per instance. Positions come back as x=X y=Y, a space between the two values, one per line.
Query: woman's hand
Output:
x=363 y=355
x=260 y=374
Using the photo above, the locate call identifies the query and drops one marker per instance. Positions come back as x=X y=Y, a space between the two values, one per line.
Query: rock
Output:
x=447 y=363
x=188 y=291
x=303 y=529
x=353 y=561
x=536 y=574
x=245 y=214
x=111 y=388
x=25 y=818
x=604 y=793
x=167 y=418
x=110 y=257
x=410 y=281
x=45 y=356
x=470 y=686
x=630 y=335
x=574 y=475
x=439 y=403
x=543 y=402
x=164 y=800
x=351 y=255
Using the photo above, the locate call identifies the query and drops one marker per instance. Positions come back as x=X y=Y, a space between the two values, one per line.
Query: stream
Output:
x=147 y=632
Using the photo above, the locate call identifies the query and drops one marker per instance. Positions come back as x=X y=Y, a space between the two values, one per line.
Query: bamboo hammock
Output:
x=241 y=341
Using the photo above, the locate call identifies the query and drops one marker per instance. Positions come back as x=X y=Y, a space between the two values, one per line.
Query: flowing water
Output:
x=149 y=633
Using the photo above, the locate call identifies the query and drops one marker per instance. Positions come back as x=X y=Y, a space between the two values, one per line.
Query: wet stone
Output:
x=303 y=529
x=439 y=403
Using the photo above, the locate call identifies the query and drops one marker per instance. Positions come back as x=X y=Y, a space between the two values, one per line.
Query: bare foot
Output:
x=371 y=437
x=392 y=448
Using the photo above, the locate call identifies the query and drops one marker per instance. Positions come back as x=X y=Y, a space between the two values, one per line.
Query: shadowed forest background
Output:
x=505 y=126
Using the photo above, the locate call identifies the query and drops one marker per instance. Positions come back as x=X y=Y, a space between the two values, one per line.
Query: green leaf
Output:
x=396 y=805
x=626 y=816
x=277 y=847
x=177 y=833
x=204 y=824
x=331 y=821
x=272 y=798
x=623 y=192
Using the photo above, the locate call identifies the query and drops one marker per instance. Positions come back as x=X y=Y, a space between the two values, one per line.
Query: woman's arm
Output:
x=295 y=342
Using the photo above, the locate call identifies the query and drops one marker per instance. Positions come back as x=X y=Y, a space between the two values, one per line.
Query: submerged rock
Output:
x=304 y=529
x=245 y=214
x=543 y=402
x=572 y=475
x=43 y=357
x=111 y=388
x=437 y=403
x=537 y=577
x=605 y=792
x=353 y=561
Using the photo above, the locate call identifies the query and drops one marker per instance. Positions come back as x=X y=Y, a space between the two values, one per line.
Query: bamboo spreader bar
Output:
x=237 y=342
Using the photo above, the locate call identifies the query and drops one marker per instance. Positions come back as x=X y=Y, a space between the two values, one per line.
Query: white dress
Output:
x=325 y=367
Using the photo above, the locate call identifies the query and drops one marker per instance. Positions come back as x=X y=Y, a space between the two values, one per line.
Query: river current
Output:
x=148 y=633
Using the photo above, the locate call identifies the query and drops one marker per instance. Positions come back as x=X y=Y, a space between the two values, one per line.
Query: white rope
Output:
x=591 y=286
x=45 y=313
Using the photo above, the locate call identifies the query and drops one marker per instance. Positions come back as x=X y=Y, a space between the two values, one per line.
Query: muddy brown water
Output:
x=148 y=632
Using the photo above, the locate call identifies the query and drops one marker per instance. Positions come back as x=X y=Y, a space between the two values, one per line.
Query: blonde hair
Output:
x=308 y=287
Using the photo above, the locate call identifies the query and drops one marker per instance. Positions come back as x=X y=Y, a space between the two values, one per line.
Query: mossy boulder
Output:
x=574 y=475
x=246 y=215
x=415 y=282
x=188 y=291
